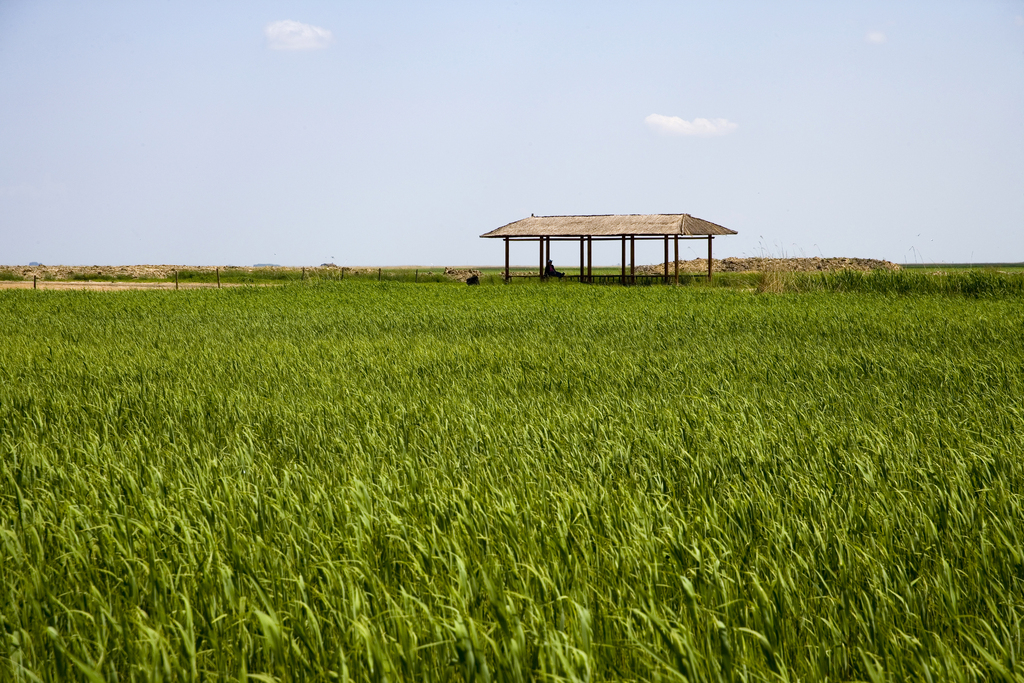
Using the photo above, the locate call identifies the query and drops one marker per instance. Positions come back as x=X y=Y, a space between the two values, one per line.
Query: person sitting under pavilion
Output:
x=551 y=272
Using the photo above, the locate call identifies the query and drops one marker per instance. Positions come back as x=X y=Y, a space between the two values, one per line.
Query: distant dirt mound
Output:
x=166 y=272
x=758 y=264
x=461 y=274
x=145 y=272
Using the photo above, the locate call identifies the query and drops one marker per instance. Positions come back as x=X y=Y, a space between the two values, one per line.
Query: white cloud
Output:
x=875 y=37
x=294 y=35
x=673 y=125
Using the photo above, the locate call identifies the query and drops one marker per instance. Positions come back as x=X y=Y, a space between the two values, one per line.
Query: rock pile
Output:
x=461 y=274
x=759 y=264
x=146 y=272
x=165 y=272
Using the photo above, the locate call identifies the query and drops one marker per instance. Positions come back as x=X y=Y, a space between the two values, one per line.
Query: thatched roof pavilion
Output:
x=586 y=229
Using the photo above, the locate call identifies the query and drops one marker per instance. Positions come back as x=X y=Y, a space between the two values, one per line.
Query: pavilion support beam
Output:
x=665 y=280
x=590 y=259
x=547 y=253
x=710 y=237
x=540 y=269
x=677 y=258
x=506 y=261
x=622 y=276
x=632 y=260
x=582 y=239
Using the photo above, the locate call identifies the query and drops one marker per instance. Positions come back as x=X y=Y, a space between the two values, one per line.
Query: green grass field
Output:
x=369 y=482
x=990 y=267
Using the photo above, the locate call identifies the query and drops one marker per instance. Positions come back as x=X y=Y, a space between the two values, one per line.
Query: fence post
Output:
x=33 y=282
x=378 y=275
x=303 y=272
x=417 y=275
x=175 y=279
x=218 y=277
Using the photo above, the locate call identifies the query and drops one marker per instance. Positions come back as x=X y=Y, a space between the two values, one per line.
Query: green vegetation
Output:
x=363 y=481
x=966 y=282
x=240 y=276
x=970 y=283
x=413 y=275
x=1004 y=267
x=102 y=277
x=285 y=274
x=1004 y=280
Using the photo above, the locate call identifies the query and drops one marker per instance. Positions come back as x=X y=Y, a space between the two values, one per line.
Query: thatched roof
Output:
x=633 y=224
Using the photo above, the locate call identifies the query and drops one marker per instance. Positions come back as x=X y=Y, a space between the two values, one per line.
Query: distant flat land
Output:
x=107 y=286
x=738 y=272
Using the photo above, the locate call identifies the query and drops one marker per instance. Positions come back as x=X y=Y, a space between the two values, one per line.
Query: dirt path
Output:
x=115 y=286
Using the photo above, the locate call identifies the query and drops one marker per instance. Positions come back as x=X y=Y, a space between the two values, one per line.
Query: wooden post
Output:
x=343 y=272
x=378 y=275
x=622 y=274
x=581 y=259
x=590 y=259
x=506 y=260
x=547 y=253
x=666 y=259
x=710 y=237
x=175 y=279
x=303 y=272
x=541 y=242
x=677 y=259
x=632 y=260
x=218 y=277
x=33 y=282
x=417 y=279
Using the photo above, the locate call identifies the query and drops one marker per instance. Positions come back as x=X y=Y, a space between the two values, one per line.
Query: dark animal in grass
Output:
x=473 y=280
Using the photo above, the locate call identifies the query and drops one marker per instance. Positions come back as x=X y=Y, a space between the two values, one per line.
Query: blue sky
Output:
x=397 y=133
